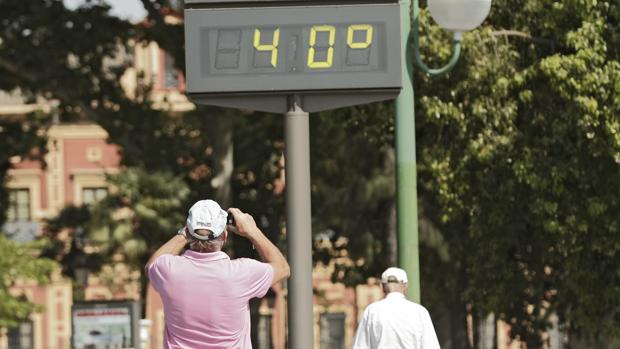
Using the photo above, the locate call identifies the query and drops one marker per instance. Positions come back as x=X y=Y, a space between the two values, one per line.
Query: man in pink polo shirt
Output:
x=205 y=293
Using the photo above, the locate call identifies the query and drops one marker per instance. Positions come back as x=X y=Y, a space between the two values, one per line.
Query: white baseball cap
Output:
x=394 y=274
x=206 y=214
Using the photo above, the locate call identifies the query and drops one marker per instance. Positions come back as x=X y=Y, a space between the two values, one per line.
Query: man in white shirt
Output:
x=395 y=322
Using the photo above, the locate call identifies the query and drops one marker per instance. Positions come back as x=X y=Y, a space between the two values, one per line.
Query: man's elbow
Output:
x=281 y=272
x=287 y=271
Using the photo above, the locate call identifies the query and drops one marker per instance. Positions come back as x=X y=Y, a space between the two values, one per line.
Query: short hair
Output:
x=393 y=279
x=212 y=244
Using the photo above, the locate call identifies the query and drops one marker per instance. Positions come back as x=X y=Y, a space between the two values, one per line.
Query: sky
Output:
x=126 y=9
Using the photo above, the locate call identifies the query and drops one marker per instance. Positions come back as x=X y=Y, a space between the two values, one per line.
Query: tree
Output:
x=43 y=54
x=17 y=263
x=518 y=152
x=353 y=187
x=144 y=211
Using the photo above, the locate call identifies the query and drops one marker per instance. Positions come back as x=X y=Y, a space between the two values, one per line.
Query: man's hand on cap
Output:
x=244 y=223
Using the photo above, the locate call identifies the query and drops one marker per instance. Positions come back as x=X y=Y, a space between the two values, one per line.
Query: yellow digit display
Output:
x=330 y=51
x=257 y=53
x=359 y=27
x=273 y=47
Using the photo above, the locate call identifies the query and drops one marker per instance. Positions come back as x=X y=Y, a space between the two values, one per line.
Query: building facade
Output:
x=76 y=165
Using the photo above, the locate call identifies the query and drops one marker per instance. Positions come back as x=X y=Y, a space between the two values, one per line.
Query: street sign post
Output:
x=293 y=57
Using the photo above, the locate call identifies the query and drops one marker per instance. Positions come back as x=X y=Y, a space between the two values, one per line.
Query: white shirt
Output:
x=395 y=322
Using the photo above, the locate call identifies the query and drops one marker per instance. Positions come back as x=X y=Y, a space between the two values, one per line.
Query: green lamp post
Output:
x=457 y=16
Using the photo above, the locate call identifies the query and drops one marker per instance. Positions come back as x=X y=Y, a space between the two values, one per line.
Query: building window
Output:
x=21 y=337
x=93 y=195
x=19 y=205
x=171 y=75
x=332 y=330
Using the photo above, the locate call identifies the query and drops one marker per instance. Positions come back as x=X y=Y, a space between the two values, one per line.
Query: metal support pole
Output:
x=406 y=175
x=298 y=226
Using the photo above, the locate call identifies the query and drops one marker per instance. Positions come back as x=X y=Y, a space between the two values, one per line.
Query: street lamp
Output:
x=457 y=16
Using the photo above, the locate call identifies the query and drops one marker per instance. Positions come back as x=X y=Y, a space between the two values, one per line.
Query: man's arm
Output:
x=174 y=246
x=268 y=252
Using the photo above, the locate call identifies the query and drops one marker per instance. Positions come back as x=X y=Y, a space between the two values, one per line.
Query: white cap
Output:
x=394 y=274
x=206 y=214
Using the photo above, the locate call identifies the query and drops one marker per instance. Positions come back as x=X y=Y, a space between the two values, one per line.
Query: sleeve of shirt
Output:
x=259 y=277
x=159 y=271
x=429 y=338
x=362 y=336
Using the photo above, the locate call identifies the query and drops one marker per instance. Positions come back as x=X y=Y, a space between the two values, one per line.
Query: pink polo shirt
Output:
x=206 y=296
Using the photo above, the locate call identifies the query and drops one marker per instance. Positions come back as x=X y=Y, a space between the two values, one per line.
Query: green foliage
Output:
x=258 y=175
x=353 y=184
x=19 y=262
x=69 y=250
x=144 y=210
x=519 y=164
x=44 y=53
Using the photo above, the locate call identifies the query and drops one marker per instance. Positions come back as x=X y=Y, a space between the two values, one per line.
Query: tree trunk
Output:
x=222 y=141
x=144 y=285
x=391 y=243
x=221 y=135
x=458 y=313
x=487 y=338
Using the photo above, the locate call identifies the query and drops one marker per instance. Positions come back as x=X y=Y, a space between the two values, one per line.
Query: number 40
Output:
x=311 y=61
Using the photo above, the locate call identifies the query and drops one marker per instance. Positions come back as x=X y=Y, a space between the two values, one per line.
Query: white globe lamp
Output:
x=459 y=15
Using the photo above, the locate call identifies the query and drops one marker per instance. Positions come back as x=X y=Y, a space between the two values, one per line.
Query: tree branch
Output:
x=153 y=13
x=508 y=32
x=166 y=35
x=59 y=92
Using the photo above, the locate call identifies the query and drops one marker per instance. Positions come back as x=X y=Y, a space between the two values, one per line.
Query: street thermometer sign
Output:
x=255 y=54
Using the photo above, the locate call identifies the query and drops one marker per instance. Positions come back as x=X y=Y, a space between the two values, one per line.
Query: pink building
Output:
x=77 y=162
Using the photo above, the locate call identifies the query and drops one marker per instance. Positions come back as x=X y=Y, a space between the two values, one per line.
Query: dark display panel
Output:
x=293 y=49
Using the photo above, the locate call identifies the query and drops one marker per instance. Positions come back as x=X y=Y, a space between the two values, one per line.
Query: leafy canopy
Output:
x=19 y=262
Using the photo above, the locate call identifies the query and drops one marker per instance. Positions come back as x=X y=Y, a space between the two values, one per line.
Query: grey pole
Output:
x=298 y=226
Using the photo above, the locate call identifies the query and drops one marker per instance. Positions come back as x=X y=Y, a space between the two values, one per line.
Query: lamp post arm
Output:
x=456 y=51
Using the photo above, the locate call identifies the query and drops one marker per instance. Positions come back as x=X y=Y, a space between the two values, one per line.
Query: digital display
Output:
x=282 y=48
x=313 y=49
